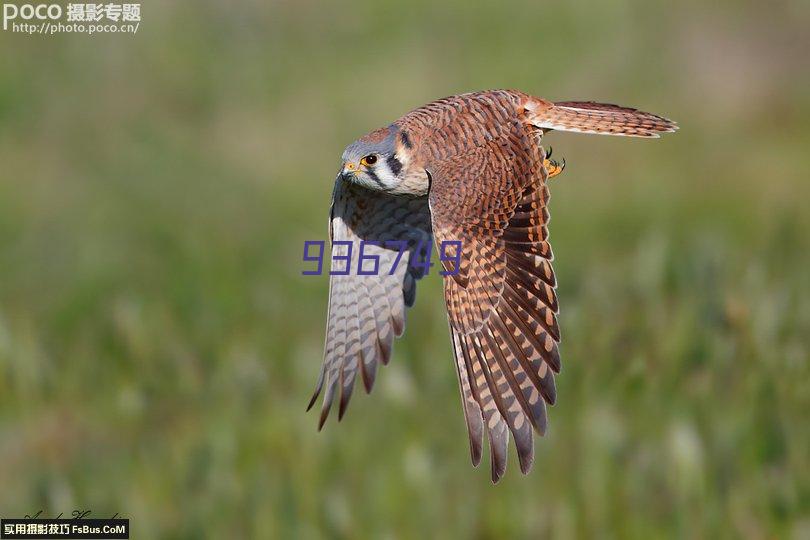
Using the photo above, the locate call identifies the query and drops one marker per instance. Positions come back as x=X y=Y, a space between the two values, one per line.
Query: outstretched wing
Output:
x=366 y=312
x=500 y=299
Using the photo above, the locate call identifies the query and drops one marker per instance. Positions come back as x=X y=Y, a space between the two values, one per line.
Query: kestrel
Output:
x=468 y=172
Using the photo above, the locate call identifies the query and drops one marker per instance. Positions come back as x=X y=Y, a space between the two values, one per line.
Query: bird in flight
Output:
x=469 y=173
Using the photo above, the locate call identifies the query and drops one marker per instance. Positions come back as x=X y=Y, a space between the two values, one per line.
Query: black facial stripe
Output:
x=394 y=164
x=374 y=177
x=406 y=141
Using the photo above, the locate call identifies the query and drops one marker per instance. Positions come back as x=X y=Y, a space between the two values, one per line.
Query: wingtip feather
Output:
x=526 y=462
x=312 y=400
x=324 y=416
x=344 y=404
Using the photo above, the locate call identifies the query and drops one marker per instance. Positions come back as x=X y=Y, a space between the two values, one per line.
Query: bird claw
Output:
x=553 y=167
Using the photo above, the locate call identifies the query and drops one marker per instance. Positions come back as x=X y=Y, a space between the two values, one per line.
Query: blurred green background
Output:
x=158 y=343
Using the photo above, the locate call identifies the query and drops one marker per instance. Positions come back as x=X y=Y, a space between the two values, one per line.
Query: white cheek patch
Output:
x=385 y=175
x=403 y=158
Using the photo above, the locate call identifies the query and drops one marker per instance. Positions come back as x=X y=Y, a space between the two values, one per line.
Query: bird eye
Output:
x=370 y=159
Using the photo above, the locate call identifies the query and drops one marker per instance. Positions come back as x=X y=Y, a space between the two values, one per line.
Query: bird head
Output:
x=383 y=161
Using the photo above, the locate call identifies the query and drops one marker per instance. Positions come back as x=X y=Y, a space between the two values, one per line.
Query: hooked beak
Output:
x=349 y=169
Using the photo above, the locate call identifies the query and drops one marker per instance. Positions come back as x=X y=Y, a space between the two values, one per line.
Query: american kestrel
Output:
x=468 y=172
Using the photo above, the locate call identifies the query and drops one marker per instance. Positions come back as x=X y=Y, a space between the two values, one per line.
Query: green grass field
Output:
x=158 y=343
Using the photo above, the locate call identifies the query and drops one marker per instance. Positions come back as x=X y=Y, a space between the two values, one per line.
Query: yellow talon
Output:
x=553 y=168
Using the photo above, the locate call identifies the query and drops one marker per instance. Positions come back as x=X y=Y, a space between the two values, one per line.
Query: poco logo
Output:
x=27 y=12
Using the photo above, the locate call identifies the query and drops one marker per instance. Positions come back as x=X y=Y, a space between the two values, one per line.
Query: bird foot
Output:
x=553 y=167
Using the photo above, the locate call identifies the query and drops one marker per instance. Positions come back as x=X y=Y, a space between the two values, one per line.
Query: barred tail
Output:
x=600 y=118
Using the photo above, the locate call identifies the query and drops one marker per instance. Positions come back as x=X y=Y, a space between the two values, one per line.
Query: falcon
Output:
x=468 y=173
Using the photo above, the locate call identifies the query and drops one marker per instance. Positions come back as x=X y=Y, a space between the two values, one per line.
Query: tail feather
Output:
x=600 y=118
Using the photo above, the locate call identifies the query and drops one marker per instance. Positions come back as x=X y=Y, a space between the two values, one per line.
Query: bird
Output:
x=469 y=173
